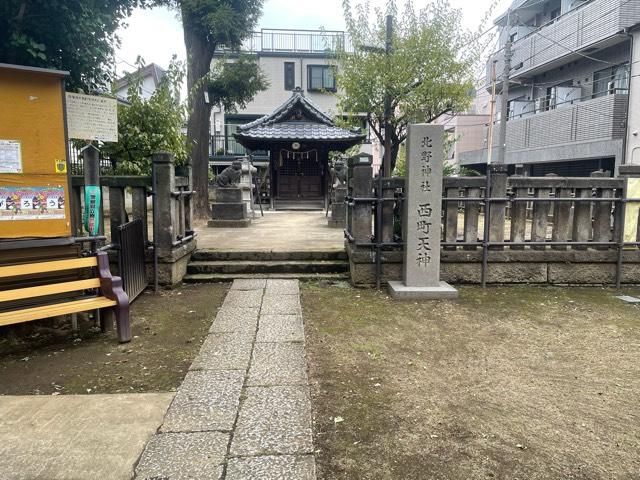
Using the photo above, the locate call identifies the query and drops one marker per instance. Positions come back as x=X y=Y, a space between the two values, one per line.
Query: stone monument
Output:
x=228 y=208
x=421 y=217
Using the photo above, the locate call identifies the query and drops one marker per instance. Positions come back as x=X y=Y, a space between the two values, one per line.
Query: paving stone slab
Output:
x=231 y=319
x=248 y=284
x=274 y=304
x=278 y=364
x=224 y=351
x=276 y=467
x=179 y=456
x=283 y=287
x=243 y=298
x=274 y=420
x=205 y=401
x=280 y=328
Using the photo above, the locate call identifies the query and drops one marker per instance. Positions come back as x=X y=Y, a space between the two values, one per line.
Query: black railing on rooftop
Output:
x=298 y=41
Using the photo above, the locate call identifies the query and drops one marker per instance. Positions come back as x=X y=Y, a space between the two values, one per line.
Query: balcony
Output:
x=224 y=147
x=279 y=41
x=588 y=129
x=591 y=25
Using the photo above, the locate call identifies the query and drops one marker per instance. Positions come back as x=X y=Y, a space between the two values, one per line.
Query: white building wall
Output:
x=273 y=67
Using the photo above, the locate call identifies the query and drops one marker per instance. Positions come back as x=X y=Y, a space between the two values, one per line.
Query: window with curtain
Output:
x=289 y=75
x=320 y=77
x=611 y=80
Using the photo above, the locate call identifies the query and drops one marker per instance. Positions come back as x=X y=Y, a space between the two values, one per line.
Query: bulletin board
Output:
x=34 y=185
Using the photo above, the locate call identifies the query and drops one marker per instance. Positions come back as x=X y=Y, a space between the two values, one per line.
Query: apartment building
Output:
x=468 y=128
x=573 y=72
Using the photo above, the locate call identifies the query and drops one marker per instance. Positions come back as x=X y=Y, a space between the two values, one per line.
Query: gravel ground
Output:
x=505 y=383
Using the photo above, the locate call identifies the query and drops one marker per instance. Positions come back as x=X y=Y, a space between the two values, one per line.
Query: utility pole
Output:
x=492 y=114
x=386 y=164
x=504 y=97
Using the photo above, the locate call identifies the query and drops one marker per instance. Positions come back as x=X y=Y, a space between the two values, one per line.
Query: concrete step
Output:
x=228 y=277
x=216 y=255
x=252 y=266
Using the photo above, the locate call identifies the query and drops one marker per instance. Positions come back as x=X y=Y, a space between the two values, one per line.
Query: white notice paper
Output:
x=10 y=156
x=90 y=117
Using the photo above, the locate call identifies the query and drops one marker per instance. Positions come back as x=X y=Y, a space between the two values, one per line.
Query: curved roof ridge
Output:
x=285 y=109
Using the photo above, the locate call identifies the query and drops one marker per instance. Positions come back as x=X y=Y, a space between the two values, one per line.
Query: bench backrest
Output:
x=51 y=288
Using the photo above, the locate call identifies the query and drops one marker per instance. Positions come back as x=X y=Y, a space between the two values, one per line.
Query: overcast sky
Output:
x=157 y=34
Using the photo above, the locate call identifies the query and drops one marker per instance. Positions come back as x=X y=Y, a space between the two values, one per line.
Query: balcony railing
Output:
x=225 y=145
x=296 y=41
x=599 y=119
x=576 y=30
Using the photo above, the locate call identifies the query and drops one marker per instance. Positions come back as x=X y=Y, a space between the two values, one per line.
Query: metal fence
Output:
x=131 y=248
x=496 y=212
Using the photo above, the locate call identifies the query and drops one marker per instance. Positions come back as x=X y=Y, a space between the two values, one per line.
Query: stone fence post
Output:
x=165 y=183
x=361 y=179
x=497 y=210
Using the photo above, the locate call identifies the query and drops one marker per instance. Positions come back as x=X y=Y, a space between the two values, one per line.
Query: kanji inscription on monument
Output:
x=421 y=216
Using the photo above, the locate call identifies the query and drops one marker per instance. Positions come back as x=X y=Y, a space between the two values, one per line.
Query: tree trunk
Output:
x=395 y=149
x=199 y=56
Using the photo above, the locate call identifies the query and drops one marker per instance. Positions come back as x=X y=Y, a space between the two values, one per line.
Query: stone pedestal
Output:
x=228 y=209
x=421 y=218
x=338 y=208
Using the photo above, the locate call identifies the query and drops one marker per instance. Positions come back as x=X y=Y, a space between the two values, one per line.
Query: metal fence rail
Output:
x=514 y=213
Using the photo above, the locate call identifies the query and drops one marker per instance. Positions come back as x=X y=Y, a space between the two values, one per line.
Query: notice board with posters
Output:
x=34 y=184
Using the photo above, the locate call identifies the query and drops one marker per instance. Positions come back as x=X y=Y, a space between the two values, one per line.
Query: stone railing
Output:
x=161 y=201
x=549 y=229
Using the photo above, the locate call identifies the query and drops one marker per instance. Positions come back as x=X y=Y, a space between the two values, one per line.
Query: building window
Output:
x=289 y=76
x=320 y=77
x=611 y=80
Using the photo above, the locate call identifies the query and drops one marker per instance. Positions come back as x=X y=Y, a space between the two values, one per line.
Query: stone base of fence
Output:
x=584 y=267
x=173 y=266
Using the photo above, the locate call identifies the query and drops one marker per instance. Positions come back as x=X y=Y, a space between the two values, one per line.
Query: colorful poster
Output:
x=32 y=203
x=10 y=156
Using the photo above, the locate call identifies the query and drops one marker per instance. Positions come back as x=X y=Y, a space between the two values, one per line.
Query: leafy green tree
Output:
x=147 y=126
x=74 y=35
x=209 y=25
x=429 y=71
x=448 y=170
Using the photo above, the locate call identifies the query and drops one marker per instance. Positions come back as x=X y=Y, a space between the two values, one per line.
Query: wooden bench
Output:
x=101 y=291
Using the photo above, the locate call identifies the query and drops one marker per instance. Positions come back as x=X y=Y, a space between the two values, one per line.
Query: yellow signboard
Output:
x=34 y=188
x=632 y=211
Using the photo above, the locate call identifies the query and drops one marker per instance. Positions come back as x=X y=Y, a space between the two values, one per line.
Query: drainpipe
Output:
x=626 y=117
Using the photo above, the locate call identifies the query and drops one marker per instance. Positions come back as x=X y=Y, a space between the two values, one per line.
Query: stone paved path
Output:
x=243 y=411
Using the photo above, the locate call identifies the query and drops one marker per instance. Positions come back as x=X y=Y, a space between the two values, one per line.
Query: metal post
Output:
x=485 y=235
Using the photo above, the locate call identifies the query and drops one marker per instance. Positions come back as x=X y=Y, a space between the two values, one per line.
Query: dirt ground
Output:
x=168 y=329
x=516 y=383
